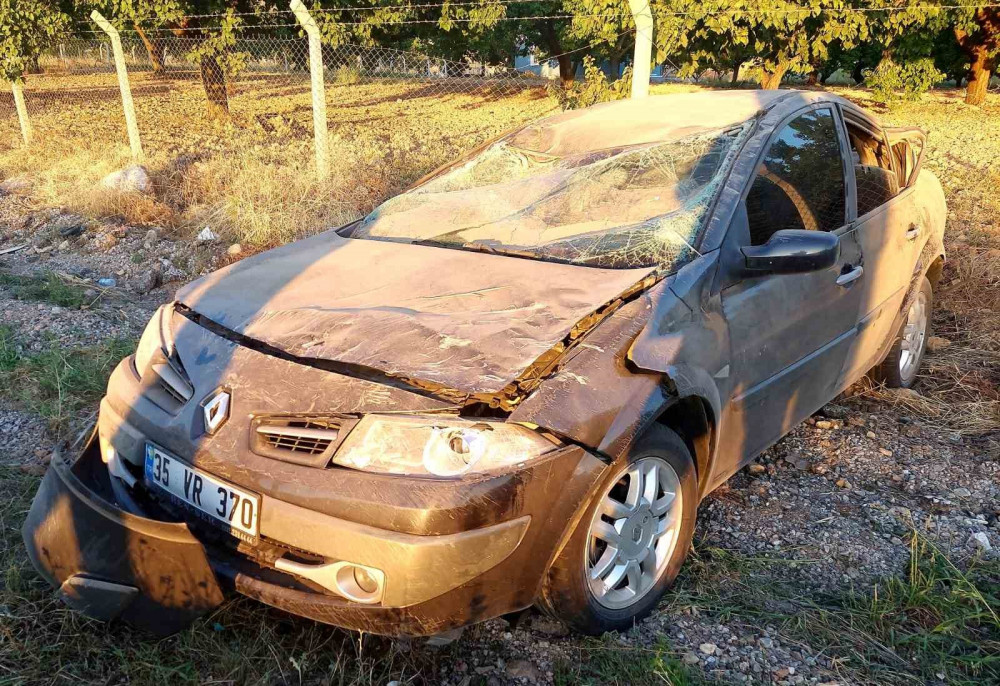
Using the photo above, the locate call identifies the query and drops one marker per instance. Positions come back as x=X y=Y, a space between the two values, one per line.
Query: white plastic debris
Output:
x=207 y=235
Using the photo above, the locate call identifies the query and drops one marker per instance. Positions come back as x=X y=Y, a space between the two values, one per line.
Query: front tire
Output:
x=630 y=544
x=902 y=364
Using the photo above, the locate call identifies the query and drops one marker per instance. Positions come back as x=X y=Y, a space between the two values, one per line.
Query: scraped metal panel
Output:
x=469 y=321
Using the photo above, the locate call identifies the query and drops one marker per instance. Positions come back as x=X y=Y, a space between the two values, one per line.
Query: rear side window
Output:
x=876 y=179
x=800 y=183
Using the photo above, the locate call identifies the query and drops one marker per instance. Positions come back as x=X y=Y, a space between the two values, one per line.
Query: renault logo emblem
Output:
x=216 y=409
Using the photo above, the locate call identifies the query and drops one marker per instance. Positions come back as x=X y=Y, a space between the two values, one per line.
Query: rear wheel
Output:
x=901 y=365
x=631 y=542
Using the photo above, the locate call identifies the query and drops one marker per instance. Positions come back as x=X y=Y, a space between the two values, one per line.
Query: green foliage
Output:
x=125 y=14
x=58 y=383
x=780 y=35
x=26 y=28
x=891 y=81
x=9 y=355
x=346 y=75
x=607 y=661
x=48 y=288
x=594 y=89
x=220 y=44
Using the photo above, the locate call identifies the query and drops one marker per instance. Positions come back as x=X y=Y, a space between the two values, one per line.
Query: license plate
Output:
x=211 y=499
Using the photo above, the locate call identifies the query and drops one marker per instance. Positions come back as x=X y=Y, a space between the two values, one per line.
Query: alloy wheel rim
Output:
x=914 y=335
x=633 y=533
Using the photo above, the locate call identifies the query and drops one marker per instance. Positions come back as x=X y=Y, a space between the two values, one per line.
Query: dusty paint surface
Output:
x=465 y=320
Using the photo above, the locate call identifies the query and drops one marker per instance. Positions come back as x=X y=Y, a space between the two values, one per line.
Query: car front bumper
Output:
x=162 y=575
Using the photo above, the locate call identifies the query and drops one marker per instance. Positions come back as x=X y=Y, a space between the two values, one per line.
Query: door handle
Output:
x=847 y=278
x=913 y=232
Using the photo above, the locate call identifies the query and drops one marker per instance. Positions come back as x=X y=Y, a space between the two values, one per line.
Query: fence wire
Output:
x=259 y=81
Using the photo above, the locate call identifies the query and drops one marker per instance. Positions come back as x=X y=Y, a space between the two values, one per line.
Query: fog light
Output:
x=365 y=581
x=352 y=581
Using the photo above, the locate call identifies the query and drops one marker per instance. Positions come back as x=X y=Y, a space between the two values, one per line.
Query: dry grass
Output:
x=959 y=387
x=251 y=178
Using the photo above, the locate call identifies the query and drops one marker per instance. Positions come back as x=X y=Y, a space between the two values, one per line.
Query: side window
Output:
x=800 y=184
x=877 y=180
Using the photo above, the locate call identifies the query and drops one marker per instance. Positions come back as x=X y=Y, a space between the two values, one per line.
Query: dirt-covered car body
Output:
x=292 y=378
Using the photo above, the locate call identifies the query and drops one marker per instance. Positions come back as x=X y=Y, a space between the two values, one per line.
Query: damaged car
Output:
x=512 y=384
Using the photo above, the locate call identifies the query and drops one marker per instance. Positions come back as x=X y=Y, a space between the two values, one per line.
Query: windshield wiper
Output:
x=480 y=247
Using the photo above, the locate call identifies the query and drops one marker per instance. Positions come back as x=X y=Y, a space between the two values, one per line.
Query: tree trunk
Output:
x=566 y=70
x=813 y=78
x=33 y=67
x=213 y=79
x=979 y=77
x=615 y=67
x=156 y=48
x=979 y=46
x=770 y=79
x=736 y=73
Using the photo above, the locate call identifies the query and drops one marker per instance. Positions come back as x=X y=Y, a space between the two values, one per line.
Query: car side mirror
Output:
x=791 y=251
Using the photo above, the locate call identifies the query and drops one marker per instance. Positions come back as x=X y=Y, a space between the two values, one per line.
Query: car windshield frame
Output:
x=664 y=240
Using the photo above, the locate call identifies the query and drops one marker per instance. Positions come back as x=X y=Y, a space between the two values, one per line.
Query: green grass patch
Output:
x=9 y=356
x=607 y=661
x=45 y=288
x=936 y=622
x=58 y=383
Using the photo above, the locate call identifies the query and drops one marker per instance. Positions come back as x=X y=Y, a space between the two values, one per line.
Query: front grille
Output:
x=303 y=440
x=306 y=437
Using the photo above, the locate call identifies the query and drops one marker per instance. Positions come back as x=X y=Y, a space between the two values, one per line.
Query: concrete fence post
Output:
x=17 y=88
x=318 y=88
x=123 y=85
x=643 y=17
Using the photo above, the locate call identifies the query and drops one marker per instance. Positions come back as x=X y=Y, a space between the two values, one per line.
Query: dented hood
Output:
x=469 y=321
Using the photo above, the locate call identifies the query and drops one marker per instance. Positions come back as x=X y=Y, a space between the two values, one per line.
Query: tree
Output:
x=489 y=31
x=607 y=26
x=145 y=17
x=210 y=26
x=978 y=34
x=949 y=56
x=26 y=28
x=781 y=35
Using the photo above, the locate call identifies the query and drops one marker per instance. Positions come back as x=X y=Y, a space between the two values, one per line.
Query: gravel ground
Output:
x=831 y=506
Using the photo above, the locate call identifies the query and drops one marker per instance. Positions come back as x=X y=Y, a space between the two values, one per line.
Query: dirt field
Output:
x=862 y=549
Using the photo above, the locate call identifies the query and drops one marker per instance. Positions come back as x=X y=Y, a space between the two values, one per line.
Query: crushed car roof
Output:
x=657 y=118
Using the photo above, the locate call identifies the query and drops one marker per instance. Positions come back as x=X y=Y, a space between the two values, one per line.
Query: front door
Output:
x=790 y=333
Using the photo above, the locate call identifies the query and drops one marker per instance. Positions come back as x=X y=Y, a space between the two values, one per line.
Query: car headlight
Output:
x=432 y=446
x=155 y=340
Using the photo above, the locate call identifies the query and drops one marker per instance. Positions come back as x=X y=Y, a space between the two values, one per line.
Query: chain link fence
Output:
x=229 y=136
x=260 y=81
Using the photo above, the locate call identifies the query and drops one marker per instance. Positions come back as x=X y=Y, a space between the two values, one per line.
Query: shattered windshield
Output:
x=641 y=206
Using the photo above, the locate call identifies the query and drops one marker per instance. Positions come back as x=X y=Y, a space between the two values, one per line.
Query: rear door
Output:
x=890 y=230
x=790 y=333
